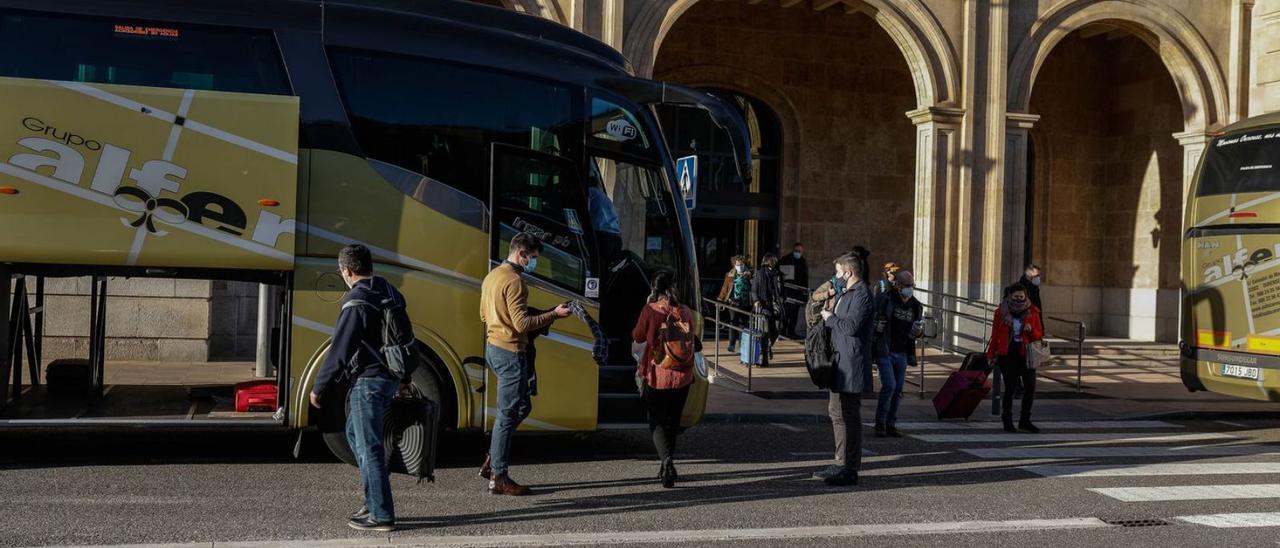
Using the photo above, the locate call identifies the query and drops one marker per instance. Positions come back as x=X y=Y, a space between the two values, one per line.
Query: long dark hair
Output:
x=664 y=287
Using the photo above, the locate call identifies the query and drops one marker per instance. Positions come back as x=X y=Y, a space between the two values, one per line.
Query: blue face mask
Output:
x=796 y=254
x=533 y=265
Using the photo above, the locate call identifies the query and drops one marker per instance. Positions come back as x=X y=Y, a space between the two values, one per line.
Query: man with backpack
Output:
x=374 y=368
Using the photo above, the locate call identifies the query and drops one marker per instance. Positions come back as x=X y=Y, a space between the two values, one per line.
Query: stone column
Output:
x=1193 y=143
x=602 y=20
x=1017 y=137
x=936 y=178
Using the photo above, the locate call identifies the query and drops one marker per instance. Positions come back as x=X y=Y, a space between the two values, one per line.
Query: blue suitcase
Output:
x=749 y=349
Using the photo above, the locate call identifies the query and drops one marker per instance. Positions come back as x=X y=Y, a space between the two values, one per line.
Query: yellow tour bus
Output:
x=249 y=140
x=1230 y=337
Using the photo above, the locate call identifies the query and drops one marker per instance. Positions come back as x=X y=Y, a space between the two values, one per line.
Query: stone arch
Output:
x=762 y=89
x=1183 y=50
x=918 y=35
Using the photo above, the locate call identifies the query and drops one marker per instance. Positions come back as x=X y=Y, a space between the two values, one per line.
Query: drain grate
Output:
x=1137 y=522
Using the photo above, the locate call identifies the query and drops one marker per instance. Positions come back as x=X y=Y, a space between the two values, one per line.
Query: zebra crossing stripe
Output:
x=1111 y=452
x=1191 y=492
x=1167 y=469
x=1048 y=425
x=1230 y=521
x=1119 y=437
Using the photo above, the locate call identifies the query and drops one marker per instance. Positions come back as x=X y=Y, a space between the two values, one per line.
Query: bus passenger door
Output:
x=542 y=195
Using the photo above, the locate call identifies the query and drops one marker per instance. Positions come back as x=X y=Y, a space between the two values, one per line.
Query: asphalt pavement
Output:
x=1086 y=483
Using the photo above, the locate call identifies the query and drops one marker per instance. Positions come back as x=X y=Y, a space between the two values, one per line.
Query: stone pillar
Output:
x=936 y=177
x=1193 y=143
x=1017 y=137
x=1238 y=64
x=602 y=20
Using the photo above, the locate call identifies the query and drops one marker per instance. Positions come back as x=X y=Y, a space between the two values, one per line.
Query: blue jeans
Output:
x=893 y=376
x=513 y=402
x=370 y=398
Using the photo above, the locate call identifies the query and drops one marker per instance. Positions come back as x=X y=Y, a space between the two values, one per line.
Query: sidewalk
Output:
x=1117 y=385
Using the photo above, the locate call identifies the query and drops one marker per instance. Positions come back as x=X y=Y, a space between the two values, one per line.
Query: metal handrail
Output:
x=720 y=306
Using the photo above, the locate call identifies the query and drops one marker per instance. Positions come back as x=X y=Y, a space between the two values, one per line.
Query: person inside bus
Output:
x=1015 y=326
x=736 y=292
x=504 y=309
x=351 y=356
x=665 y=370
x=851 y=325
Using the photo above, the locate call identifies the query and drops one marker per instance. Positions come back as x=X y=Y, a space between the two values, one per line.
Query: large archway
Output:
x=841 y=87
x=1105 y=196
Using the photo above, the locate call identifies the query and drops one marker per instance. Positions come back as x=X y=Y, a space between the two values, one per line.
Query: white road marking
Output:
x=1230 y=521
x=1166 y=469
x=832 y=453
x=1117 y=437
x=1191 y=492
x=1048 y=425
x=1111 y=452
x=1235 y=424
x=698 y=535
x=787 y=427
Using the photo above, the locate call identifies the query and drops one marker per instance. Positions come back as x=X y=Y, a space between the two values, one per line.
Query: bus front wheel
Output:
x=425 y=384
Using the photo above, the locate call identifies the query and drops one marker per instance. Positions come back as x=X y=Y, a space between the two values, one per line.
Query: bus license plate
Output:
x=1240 y=371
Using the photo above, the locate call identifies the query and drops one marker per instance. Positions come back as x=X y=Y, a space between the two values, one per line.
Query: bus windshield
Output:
x=1242 y=163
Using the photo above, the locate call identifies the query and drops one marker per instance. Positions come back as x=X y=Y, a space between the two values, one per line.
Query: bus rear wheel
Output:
x=425 y=383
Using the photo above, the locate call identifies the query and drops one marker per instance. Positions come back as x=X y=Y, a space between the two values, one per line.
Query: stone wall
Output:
x=152 y=319
x=842 y=87
x=1110 y=177
x=148 y=319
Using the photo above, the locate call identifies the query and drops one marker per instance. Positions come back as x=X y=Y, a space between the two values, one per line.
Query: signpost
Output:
x=687 y=175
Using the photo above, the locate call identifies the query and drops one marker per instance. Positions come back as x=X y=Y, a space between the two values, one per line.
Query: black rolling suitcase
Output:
x=69 y=377
x=410 y=437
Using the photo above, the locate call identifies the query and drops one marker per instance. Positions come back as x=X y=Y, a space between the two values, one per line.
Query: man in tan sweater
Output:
x=504 y=309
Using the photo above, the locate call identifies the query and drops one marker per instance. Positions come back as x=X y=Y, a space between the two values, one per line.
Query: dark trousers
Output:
x=1013 y=369
x=664 y=408
x=846 y=422
x=738 y=320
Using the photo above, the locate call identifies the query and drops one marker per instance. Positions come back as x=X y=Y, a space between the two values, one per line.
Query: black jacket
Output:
x=899 y=317
x=766 y=288
x=1033 y=291
x=357 y=336
x=851 y=328
x=801 y=269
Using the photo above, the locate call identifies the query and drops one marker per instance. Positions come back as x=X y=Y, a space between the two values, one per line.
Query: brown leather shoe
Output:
x=485 y=471
x=504 y=485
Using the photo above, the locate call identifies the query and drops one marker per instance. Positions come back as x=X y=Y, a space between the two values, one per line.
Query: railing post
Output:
x=718 y=327
x=1079 y=356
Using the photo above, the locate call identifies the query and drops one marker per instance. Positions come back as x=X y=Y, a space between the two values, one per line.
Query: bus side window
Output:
x=437 y=118
x=542 y=197
x=140 y=53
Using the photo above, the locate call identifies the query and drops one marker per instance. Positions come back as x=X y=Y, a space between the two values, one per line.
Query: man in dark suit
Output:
x=851 y=327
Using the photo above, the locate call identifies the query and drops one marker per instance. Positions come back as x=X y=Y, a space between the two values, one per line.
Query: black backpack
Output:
x=819 y=356
x=397 y=335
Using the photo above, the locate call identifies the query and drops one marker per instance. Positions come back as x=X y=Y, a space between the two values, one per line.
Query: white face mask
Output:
x=1035 y=281
x=740 y=268
x=796 y=254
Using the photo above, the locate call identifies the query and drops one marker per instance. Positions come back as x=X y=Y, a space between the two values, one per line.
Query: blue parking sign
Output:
x=687 y=176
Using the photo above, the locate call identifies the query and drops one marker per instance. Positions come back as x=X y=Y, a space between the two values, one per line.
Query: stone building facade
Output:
x=965 y=138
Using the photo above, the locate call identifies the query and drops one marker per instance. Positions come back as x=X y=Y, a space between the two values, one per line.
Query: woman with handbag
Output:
x=665 y=368
x=1014 y=329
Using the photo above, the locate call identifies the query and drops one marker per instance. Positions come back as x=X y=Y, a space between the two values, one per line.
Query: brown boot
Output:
x=504 y=485
x=485 y=471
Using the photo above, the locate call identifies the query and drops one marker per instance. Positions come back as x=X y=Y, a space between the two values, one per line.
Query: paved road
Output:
x=744 y=485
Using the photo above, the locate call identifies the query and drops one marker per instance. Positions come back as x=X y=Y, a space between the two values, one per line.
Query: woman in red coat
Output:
x=664 y=389
x=1015 y=326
